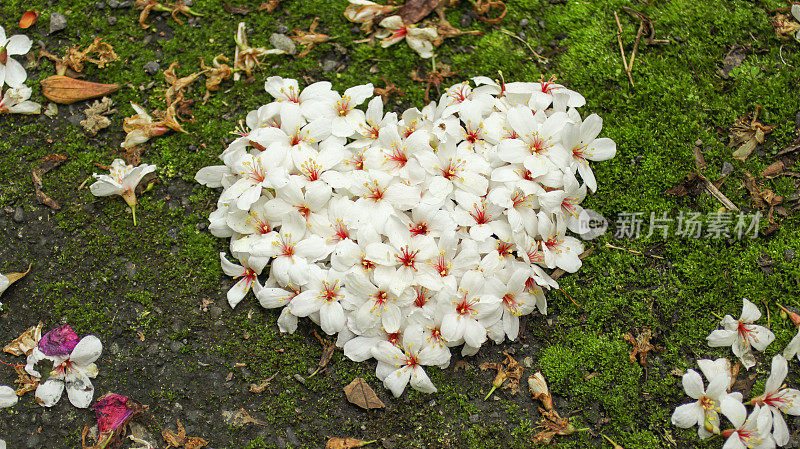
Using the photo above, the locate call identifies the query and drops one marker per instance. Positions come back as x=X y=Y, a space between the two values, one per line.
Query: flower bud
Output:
x=539 y=390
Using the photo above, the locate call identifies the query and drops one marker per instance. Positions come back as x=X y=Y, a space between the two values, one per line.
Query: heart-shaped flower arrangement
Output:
x=406 y=236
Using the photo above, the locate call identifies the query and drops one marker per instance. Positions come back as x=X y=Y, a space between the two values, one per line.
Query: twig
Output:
x=622 y=49
x=713 y=190
x=636 y=45
x=541 y=58
x=570 y=298
x=632 y=251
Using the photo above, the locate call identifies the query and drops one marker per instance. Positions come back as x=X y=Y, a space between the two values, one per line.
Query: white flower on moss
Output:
x=742 y=335
x=121 y=180
x=15 y=101
x=11 y=71
x=419 y=39
x=704 y=412
x=749 y=432
x=399 y=366
x=777 y=399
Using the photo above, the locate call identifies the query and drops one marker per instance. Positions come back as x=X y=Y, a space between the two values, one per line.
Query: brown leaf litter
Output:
x=359 y=393
x=509 y=372
x=98 y=53
x=96 y=116
x=346 y=443
x=28 y=340
x=641 y=346
x=746 y=134
x=308 y=39
x=179 y=439
x=45 y=165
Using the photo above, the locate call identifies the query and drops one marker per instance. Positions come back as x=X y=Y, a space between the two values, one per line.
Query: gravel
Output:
x=283 y=42
x=152 y=68
x=57 y=22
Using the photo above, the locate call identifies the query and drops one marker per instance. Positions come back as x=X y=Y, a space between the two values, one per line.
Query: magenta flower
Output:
x=59 y=341
x=113 y=412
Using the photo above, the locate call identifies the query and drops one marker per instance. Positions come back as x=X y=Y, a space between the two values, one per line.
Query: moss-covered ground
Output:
x=142 y=286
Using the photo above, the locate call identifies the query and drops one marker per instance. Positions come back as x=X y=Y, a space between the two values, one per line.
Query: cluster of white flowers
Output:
x=765 y=426
x=15 y=99
x=406 y=235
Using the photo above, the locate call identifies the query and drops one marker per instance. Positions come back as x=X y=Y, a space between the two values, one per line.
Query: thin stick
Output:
x=636 y=45
x=632 y=251
x=713 y=190
x=541 y=58
x=622 y=49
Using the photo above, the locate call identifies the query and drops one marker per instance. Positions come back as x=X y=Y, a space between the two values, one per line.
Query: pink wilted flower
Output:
x=73 y=366
x=113 y=412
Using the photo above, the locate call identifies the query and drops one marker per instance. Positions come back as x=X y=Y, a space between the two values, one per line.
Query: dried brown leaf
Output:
x=775 y=169
x=746 y=134
x=641 y=346
x=236 y=9
x=179 y=439
x=239 y=418
x=66 y=90
x=691 y=185
x=491 y=11
x=346 y=443
x=388 y=91
x=269 y=6
x=359 y=393
x=552 y=424
x=509 y=372
x=28 y=340
x=309 y=38
x=261 y=386
x=96 y=116
x=25 y=382
x=413 y=11
x=45 y=165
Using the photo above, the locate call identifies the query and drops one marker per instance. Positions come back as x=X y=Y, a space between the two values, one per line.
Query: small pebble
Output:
x=466 y=20
x=152 y=67
x=524 y=22
x=100 y=5
x=329 y=65
x=788 y=253
x=19 y=214
x=300 y=379
x=281 y=28
x=57 y=22
x=111 y=20
x=727 y=168
x=283 y=42
x=126 y=4
x=113 y=3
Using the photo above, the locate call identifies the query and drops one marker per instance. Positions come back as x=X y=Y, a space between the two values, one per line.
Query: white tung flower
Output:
x=11 y=71
x=405 y=235
x=777 y=400
x=742 y=335
x=15 y=101
x=8 y=398
x=121 y=180
x=704 y=412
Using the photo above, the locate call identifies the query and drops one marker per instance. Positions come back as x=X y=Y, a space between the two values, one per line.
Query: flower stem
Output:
x=133 y=208
x=494 y=387
x=716 y=315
